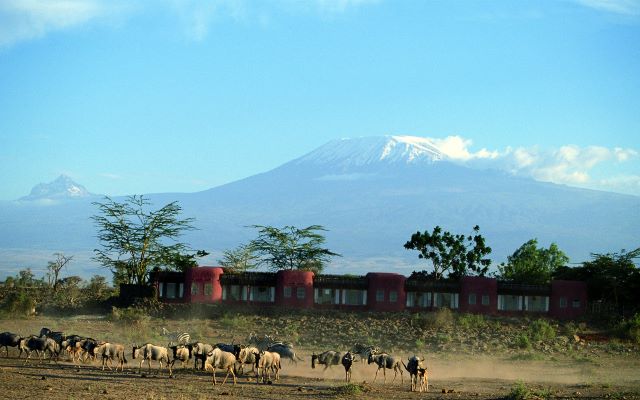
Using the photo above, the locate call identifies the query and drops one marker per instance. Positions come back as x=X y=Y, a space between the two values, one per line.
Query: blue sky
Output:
x=132 y=97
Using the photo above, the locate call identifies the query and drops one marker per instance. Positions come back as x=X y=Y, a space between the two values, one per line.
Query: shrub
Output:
x=541 y=330
x=130 y=315
x=443 y=318
x=471 y=321
x=519 y=391
x=522 y=341
x=630 y=329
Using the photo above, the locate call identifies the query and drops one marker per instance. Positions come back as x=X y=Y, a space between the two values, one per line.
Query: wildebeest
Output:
x=149 y=352
x=285 y=350
x=89 y=346
x=181 y=353
x=384 y=361
x=223 y=360
x=8 y=339
x=40 y=344
x=328 y=359
x=417 y=371
x=199 y=352
x=229 y=348
x=109 y=352
x=347 y=362
x=248 y=356
x=268 y=362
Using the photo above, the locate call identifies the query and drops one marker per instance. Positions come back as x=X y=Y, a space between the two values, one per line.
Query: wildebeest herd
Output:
x=263 y=354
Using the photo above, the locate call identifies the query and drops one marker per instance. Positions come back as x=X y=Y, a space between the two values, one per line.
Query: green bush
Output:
x=519 y=391
x=443 y=318
x=630 y=329
x=130 y=315
x=541 y=330
x=471 y=321
x=522 y=341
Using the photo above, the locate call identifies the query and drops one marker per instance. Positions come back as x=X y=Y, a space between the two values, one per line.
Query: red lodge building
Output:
x=375 y=291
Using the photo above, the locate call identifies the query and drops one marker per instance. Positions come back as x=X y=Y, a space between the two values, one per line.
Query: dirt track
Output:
x=480 y=378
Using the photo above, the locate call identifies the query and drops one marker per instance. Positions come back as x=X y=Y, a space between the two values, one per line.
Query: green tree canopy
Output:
x=611 y=278
x=291 y=248
x=135 y=239
x=533 y=264
x=459 y=255
x=240 y=259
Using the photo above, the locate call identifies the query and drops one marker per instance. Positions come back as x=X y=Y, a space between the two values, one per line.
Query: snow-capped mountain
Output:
x=61 y=188
x=371 y=194
x=345 y=153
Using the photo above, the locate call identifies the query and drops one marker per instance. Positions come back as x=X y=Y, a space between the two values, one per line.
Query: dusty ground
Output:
x=593 y=373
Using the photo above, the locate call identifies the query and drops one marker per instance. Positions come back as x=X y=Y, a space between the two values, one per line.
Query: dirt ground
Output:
x=478 y=378
x=586 y=372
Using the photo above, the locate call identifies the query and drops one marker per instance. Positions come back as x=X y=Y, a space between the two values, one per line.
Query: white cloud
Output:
x=622 y=7
x=571 y=165
x=22 y=20
x=456 y=148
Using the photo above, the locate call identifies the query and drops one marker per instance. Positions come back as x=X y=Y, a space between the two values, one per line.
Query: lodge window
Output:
x=563 y=302
x=393 y=296
x=326 y=296
x=287 y=292
x=208 y=289
x=354 y=297
x=472 y=298
x=379 y=295
x=449 y=300
x=194 y=288
x=576 y=303
x=171 y=290
x=300 y=293
x=485 y=300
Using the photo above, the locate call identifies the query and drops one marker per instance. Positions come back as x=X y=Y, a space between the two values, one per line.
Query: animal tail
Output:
x=404 y=365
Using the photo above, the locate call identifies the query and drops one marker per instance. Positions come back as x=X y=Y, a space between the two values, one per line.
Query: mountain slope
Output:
x=372 y=194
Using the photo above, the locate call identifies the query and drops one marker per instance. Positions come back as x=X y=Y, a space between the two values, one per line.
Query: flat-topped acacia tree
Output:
x=291 y=248
x=134 y=239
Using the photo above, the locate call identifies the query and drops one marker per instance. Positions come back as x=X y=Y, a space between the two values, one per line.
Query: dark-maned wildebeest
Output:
x=347 y=362
x=199 y=352
x=223 y=360
x=285 y=350
x=109 y=352
x=328 y=359
x=40 y=345
x=8 y=339
x=229 y=348
x=417 y=371
x=149 y=352
x=384 y=361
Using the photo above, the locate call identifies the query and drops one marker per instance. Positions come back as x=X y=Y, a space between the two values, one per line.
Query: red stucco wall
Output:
x=386 y=282
x=295 y=280
x=202 y=276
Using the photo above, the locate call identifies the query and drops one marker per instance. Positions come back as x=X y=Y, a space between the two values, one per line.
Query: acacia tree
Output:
x=240 y=259
x=291 y=248
x=458 y=254
x=54 y=268
x=135 y=239
x=530 y=264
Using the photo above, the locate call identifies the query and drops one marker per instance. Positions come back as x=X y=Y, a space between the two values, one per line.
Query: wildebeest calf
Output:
x=8 y=339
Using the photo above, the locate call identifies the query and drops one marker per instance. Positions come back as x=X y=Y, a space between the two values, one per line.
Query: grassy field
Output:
x=468 y=356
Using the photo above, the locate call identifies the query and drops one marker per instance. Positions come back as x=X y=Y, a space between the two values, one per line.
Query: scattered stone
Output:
x=44 y=378
x=105 y=391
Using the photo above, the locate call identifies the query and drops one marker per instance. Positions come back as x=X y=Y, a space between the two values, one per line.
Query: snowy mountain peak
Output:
x=61 y=188
x=371 y=150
